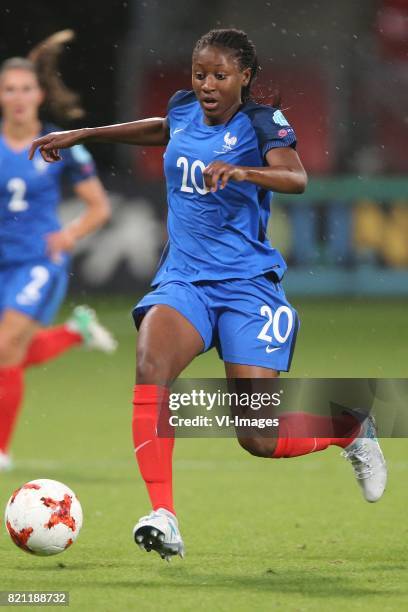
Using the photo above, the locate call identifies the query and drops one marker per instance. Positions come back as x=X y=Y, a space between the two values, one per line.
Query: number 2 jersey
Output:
x=30 y=192
x=221 y=235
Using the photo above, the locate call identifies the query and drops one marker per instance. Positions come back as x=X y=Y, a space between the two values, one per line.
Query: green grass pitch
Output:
x=288 y=535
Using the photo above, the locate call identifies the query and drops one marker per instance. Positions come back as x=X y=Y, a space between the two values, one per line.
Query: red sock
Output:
x=49 y=343
x=153 y=453
x=301 y=433
x=11 y=395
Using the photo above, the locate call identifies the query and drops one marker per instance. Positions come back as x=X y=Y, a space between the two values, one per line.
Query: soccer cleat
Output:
x=85 y=322
x=367 y=460
x=159 y=531
x=6 y=463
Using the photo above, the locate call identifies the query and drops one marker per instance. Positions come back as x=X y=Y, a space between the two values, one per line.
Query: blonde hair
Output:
x=60 y=101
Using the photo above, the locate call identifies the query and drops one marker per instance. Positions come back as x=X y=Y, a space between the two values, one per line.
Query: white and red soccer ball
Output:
x=43 y=517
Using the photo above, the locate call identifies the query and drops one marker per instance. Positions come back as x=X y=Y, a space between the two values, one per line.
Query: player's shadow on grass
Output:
x=309 y=582
x=312 y=583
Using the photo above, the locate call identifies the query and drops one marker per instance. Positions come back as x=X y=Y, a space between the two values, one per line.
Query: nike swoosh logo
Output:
x=142 y=445
x=178 y=130
x=271 y=350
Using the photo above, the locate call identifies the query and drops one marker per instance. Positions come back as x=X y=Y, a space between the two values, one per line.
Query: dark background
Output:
x=88 y=64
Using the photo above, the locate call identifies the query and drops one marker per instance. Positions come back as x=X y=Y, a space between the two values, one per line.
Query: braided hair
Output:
x=237 y=42
x=42 y=61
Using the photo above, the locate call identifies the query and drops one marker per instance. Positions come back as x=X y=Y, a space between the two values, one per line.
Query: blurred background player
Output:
x=218 y=282
x=34 y=249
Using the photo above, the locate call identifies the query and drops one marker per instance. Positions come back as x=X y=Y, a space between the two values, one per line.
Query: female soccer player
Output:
x=218 y=283
x=34 y=249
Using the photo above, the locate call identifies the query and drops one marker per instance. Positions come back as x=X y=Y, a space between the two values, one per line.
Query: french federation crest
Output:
x=229 y=143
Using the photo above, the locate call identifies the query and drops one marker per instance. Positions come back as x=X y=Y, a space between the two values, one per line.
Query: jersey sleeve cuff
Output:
x=275 y=144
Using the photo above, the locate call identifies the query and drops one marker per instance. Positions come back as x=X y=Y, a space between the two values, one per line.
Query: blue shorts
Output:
x=35 y=288
x=250 y=322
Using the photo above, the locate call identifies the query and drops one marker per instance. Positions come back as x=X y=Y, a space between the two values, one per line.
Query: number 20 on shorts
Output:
x=271 y=330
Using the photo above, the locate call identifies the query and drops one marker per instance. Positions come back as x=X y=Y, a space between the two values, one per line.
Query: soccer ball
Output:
x=43 y=517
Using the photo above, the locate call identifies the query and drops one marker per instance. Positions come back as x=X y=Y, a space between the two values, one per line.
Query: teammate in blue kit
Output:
x=218 y=282
x=34 y=249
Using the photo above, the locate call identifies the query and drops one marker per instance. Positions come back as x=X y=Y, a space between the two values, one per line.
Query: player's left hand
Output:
x=220 y=172
x=58 y=243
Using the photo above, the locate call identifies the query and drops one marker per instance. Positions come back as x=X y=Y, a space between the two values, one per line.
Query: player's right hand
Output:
x=50 y=144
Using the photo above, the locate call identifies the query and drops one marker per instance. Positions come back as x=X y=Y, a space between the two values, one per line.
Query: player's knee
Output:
x=11 y=349
x=259 y=447
x=151 y=369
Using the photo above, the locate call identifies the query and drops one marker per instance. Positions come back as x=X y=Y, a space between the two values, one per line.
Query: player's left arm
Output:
x=96 y=214
x=284 y=172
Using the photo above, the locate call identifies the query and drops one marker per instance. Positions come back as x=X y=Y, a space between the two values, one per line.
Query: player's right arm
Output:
x=146 y=132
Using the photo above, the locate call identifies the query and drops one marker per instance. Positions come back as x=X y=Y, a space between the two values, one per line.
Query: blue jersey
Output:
x=221 y=235
x=29 y=197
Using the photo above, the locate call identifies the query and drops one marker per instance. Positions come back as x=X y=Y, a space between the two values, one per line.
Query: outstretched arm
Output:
x=147 y=132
